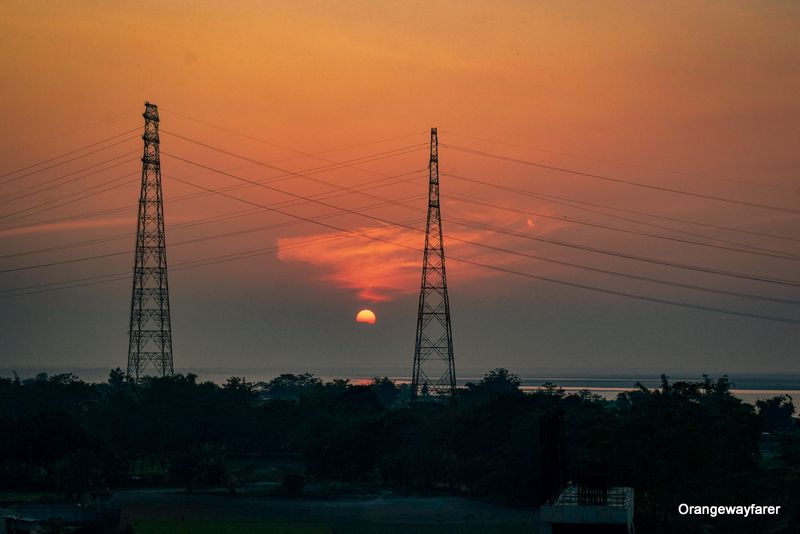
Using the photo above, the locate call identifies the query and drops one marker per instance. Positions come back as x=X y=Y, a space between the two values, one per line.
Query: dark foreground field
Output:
x=151 y=512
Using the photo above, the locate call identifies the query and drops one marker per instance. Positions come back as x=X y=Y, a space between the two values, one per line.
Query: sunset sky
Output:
x=696 y=96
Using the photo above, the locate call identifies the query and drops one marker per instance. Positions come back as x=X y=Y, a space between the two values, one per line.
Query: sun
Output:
x=366 y=316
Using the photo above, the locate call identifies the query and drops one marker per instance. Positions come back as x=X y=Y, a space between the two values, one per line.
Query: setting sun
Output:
x=366 y=316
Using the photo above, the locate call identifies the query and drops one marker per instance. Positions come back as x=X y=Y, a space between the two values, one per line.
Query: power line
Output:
x=257 y=252
x=707 y=270
x=282 y=147
x=76 y=178
x=333 y=164
x=84 y=216
x=771 y=318
x=578 y=205
x=66 y=153
x=363 y=159
x=675 y=284
x=591 y=249
x=551 y=241
x=83 y=196
x=260 y=251
x=85 y=127
x=654 y=261
x=768 y=251
x=628 y=164
x=196 y=240
x=496 y=268
x=307 y=172
x=303 y=174
x=630 y=295
x=762 y=252
x=565 y=219
x=471 y=224
x=31 y=173
x=281 y=225
x=756 y=251
x=201 y=262
x=566 y=201
x=688 y=286
x=741 y=294
x=527 y=275
x=626 y=182
x=374 y=184
x=255 y=183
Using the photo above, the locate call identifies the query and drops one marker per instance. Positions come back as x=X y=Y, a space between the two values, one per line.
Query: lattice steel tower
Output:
x=434 y=371
x=150 y=343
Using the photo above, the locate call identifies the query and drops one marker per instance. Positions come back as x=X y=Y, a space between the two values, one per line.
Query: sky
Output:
x=321 y=98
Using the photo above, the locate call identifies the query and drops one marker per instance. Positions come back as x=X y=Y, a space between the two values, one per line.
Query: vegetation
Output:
x=689 y=442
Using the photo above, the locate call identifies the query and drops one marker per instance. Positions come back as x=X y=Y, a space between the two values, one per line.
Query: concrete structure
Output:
x=578 y=510
x=22 y=525
x=98 y=512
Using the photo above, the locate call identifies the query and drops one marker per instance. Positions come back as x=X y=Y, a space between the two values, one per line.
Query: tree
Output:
x=496 y=382
x=116 y=378
x=240 y=390
x=776 y=413
x=386 y=390
x=290 y=387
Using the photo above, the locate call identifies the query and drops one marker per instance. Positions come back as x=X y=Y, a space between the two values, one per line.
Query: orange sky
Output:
x=587 y=77
x=705 y=88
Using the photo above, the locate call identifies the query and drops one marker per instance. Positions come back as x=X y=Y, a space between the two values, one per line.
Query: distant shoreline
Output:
x=748 y=387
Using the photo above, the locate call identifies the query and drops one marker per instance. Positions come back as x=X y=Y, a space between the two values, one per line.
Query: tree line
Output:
x=682 y=442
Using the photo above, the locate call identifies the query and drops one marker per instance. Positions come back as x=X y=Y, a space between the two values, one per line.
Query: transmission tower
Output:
x=150 y=343
x=434 y=372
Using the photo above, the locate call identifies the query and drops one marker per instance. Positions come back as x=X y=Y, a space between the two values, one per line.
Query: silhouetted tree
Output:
x=776 y=413
x=290 y=387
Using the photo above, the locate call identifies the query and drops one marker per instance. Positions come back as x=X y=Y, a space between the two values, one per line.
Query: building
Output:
x=581 y=509
x=97 y=513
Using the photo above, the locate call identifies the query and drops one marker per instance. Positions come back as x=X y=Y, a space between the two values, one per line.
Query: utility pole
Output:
x=150 y=341
x=434 y=372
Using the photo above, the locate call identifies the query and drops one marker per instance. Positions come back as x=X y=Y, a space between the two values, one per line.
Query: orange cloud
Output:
x=68 y=226
x=377 y=270
x=389 y=264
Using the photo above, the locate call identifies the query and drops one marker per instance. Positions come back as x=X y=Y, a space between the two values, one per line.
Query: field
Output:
x=156 y=512
x=168 y=526
x=218 y=527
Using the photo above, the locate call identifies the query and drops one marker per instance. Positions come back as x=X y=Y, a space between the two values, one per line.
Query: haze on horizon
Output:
x=698 y=96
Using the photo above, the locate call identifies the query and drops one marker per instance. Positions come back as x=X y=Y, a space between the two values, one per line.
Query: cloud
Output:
x=389 y=264
x=377 y=269
x=66 y=226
